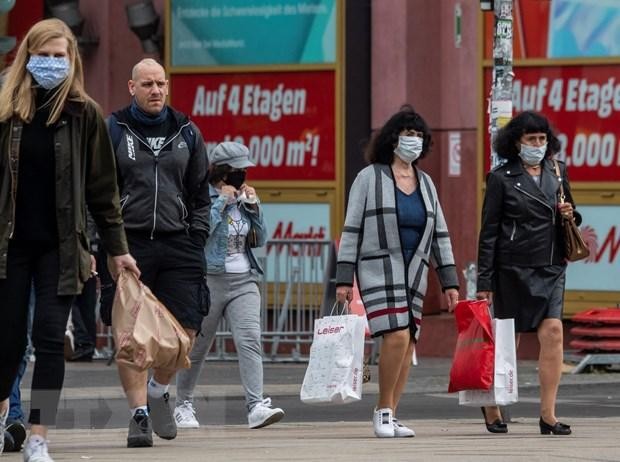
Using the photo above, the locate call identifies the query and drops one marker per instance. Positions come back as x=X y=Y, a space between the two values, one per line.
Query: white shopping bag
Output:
x=504 y=390
x=334 y=373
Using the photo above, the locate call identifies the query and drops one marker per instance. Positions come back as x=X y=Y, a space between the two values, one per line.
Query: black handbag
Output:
x=252 y=238
x=575 y=247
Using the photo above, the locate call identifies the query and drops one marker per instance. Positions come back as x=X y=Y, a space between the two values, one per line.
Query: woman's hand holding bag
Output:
x=574 y=245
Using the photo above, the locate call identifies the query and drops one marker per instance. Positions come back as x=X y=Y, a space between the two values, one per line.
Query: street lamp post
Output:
x=500 y=107
x=500 y=104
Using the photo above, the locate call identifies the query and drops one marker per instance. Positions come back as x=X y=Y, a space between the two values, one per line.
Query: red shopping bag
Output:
x=356 y=306
x=473 y=364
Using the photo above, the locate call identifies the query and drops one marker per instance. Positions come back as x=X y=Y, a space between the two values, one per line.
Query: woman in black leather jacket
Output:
x=521 y=260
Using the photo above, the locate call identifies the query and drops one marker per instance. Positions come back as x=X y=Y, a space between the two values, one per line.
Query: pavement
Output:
x=436 y=440
x=340 y=433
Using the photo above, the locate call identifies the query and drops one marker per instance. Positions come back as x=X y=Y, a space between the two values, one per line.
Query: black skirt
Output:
x=529 y=295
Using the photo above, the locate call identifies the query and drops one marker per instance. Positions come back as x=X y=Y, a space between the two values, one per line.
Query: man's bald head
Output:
x=146 y=62
x=149 y=86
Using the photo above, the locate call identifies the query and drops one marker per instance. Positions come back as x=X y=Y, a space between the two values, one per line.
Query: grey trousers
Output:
x=234 y=296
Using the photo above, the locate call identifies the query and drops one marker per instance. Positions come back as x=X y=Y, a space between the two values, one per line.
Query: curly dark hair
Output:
x=506 y=142
x=218 y=173
x=384 y=141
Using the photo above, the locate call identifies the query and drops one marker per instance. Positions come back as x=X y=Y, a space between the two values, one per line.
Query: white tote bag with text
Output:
x=504 y=390
x=334 y=373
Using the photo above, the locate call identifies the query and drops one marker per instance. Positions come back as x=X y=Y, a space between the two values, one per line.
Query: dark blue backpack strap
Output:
x=189 y=135
x=116 y=132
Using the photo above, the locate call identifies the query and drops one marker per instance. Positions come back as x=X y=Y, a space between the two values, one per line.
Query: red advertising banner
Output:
x=287 y=119
x=583 y=104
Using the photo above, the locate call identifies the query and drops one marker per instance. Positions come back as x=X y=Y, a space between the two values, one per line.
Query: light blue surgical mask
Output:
x=48 y=71
x=532 y=155
x=409 y=148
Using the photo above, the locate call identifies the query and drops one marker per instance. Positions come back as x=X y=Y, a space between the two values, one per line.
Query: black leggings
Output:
x=27 y=263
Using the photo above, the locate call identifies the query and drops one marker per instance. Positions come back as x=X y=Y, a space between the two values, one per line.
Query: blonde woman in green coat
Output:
x=56 y=160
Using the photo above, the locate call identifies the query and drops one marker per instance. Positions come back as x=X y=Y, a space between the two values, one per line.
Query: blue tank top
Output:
x=411 y=219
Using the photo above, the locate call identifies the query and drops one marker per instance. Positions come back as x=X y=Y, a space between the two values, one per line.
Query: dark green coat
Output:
x=85 y=175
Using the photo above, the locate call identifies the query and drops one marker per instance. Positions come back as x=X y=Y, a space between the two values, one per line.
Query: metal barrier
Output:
x=292 y=297
x=105 y=340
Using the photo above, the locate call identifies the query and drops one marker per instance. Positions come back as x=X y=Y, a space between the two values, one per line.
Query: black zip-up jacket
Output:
x=166 y=191
x=521 y=223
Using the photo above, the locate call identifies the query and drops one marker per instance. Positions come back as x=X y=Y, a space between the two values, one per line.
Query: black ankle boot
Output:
x=556 y=429
x=496 y=427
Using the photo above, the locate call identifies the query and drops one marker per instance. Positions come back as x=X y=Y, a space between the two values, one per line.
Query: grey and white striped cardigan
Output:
x=370 y=249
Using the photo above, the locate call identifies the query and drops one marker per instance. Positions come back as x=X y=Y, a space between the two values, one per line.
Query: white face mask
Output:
x=533 y=155
x=409 y=148
x=48 y=71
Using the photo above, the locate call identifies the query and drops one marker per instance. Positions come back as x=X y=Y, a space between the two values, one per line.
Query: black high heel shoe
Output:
x=496 y=427
x=556 y=429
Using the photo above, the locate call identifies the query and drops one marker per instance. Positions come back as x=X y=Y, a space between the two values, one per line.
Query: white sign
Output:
x=295 y=223
x=454 y=154
x=601 y=231
x=458 y=25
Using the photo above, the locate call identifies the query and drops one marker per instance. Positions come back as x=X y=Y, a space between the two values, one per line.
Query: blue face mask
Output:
x=48 y=71
x=409 y=148
x=533 y=155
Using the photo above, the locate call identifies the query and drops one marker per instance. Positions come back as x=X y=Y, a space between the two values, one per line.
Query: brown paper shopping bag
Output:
x=145 y=332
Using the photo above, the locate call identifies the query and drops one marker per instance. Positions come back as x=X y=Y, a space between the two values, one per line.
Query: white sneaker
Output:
x=35 y=450
x=263 y=414
x=400 y=431
x=185 y=415
x=69 y=344
x=3 y=418
x=382 y=422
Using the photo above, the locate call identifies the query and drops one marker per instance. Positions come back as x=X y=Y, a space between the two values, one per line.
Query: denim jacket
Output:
x=217 y=243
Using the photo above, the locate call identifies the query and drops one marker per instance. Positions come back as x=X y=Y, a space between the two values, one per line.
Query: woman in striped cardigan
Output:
x=393 y=228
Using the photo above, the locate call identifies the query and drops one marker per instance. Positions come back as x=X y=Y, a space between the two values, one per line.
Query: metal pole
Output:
x=501 y=94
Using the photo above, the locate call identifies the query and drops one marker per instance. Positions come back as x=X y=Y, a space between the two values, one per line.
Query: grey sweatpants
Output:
x=235 y=297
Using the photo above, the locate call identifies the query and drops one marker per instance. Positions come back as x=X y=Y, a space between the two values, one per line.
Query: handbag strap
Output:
x=336 y=308
x=484 y=317
x=556 y=166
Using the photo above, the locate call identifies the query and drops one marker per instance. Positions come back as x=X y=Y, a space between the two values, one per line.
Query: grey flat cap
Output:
x=231 y=153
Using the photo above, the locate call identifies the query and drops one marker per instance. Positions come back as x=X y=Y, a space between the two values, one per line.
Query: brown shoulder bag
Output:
x=574 y=245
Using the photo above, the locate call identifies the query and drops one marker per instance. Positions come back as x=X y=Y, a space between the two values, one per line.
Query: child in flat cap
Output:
x=237 y=226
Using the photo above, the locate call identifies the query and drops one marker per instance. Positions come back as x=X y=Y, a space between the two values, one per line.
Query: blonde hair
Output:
x=17 y=96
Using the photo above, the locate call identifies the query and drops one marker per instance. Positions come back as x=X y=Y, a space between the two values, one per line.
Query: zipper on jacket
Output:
x=184 y=212
x=552 y=218
x=155 y=155
x=123 y=201
x=155 y=158
x=14 y=174
x=553 y=231
x=170 y=140
x=13 y=199
x=514 y=230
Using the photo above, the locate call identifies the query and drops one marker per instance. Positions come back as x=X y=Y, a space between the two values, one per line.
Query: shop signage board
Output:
x=291 y=222
x=286 y=119
x=601 y=270
x=239 y=32
x=583 y=103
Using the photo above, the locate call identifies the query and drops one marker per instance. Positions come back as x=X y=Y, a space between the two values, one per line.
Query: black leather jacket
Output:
x=521 y=224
